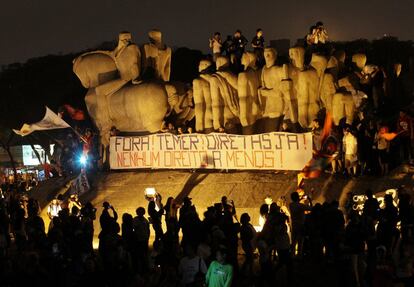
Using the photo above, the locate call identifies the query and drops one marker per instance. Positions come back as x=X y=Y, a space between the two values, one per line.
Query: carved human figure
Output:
x=309 y=86
x=224 y=98
x=180 y=101
x=342 y=103
x=202 y=97
x=329 y=86
x=156 y=57
x=274 y=86
x=127 y=58
x=359 y=61
x=109 y=70
x=296 y=66
x=247 y=88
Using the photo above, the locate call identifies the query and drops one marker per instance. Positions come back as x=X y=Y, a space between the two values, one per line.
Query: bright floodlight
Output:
x=82 y=160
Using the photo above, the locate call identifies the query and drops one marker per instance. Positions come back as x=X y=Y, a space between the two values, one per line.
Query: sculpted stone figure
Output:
x=343 y=103
x=127 y=57
x=224 y=98
x=115 y=98
x=359 y=61
x=108 y=71
x=275 y=92
x=309 y=86
x=202 y=98
x=346 y=101
x=156 y=57
x=296 y=66
x=180 y=102
x=328 y=85
x=247 y=88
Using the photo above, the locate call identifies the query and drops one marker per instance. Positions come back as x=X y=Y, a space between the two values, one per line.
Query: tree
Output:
x=6 y=137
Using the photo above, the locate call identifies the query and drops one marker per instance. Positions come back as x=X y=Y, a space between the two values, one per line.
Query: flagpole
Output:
x=78 y=134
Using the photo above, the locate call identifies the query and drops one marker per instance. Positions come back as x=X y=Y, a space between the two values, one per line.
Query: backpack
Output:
x=200 y=277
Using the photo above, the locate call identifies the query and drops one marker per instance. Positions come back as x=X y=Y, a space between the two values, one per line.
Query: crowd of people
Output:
x=381 y=134
x=367 y=148
x=234 y=46
x=373 y=247
x=171 y=245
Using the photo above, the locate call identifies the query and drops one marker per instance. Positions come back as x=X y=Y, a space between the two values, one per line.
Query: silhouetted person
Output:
x=155 y=219
x=258 y=46
x=333 y=229
x=354 y=240
x=105 y=219
x=297 y=216
x=370 y=215
x=387 y=225
x=142 y=235
x=248 y=239
x=406 y=216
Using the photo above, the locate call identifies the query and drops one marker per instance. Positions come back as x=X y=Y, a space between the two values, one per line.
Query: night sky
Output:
x=32 y=28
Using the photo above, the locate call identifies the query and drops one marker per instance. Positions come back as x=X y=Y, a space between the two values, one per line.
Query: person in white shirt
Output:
x=54 y=208
x=190 y=266
x=215 y=45
x=350 y=148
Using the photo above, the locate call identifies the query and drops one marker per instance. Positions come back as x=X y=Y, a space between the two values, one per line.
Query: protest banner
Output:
x=268 y=151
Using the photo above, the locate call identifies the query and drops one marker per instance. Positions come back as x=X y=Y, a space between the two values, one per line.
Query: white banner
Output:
x=269 y=151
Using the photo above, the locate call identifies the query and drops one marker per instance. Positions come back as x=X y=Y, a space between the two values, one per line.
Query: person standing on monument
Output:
x=216 y=45
x=350 y=148
x=258 y=46
x=239 y=42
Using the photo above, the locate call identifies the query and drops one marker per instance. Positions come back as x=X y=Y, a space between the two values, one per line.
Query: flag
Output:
x=75 y=114
x=50 y=121
x=384 y=133
x=80 y=184
x=321 y=158
x=388 y=136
